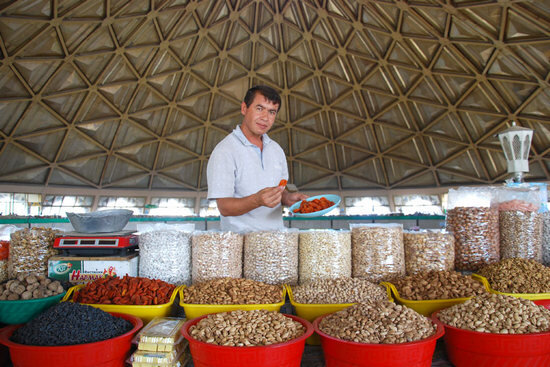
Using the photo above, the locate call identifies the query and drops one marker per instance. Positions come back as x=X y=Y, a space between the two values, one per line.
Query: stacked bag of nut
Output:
x=377 y=251
x=474 y=223
x=324 y=254
x=271 y=256
x=165 y=252
x=520 y=223
x=30 y=250
x=428 y=250
x=216 y=254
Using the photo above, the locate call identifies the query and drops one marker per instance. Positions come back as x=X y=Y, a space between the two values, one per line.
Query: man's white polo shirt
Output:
x=237 y=168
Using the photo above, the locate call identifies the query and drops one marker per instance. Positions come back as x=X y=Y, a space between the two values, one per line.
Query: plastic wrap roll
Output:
x=30 y=250
x=165 y=255
x=428 y=250
x=378 y=252
x=324 y=254
x=216 y=254
x=271 y=256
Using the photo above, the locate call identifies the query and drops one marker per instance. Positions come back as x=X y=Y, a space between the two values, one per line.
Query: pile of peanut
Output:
x=29 y=287
x=246 y=328
x=342 y=290
x=517 y=276
x=499 y=314
x=438 y=285
x=232 y=291
x=378 y=323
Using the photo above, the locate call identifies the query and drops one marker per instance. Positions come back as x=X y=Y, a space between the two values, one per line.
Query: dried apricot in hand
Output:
x=282 y=182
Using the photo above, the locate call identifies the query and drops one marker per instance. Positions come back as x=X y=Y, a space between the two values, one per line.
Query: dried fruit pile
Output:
x=314 y=205
x=125 y=291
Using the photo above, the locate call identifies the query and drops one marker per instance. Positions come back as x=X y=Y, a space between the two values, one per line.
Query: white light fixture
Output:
x=516 y=142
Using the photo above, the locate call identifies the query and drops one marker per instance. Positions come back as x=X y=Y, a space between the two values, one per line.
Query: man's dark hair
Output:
x=269 y=93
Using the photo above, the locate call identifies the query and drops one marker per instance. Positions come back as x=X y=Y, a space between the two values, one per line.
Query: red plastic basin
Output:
x=466 y=348
x=343 y=353
x=288 y=354
x=107 y=353
x=543 y=302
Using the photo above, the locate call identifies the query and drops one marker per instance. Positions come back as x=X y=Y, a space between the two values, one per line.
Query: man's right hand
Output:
x=270 y=196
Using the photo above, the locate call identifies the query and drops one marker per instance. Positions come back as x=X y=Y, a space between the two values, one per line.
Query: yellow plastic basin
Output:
x=427 y=307
x=193 y=310
x=145 y=312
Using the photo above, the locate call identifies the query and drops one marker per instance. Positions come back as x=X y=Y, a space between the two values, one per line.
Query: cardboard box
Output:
x=83 y=269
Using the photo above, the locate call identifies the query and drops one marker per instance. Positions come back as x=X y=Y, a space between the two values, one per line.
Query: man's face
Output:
x=260 y=116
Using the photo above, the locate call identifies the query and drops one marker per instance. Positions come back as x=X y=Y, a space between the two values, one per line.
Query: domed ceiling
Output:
x=376 y=94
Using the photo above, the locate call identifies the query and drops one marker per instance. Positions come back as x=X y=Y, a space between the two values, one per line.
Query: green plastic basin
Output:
x=22 y=311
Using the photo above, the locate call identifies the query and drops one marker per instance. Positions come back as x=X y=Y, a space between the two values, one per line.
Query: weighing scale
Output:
x=91 y=244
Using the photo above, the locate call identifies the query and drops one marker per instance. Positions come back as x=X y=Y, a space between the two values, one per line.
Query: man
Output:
x=246 y=166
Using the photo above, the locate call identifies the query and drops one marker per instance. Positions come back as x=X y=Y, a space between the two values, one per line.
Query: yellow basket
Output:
x=427 y=307
x=529 y=296
x=193 y=310
x=311 y=311
x=145 y=312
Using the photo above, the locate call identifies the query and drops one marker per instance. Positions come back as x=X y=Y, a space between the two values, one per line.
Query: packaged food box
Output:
x=162 y=334
x=80 y=269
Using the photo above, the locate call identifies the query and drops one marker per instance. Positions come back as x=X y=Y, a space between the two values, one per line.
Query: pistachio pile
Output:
x=232 y=291
x=438 y=285
x=378 y=323
x=342 y=290
x=497 y=313
x=246 y=328
x=517 y=276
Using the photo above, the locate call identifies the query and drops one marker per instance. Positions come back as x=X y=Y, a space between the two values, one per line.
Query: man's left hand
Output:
x=290 y=198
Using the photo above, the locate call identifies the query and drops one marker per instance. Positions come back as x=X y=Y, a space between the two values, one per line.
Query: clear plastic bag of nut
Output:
x=216 y=254
x=428 y=250
x=165 y=252
x=30 y=249
x=271 y=256
x=473 y=220
x=520 y=223
x=546 y=237
x=377 y=251
x=324 y=254
x=5 y=233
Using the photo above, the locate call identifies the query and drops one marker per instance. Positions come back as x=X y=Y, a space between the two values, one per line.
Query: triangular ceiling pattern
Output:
x=377 y=94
